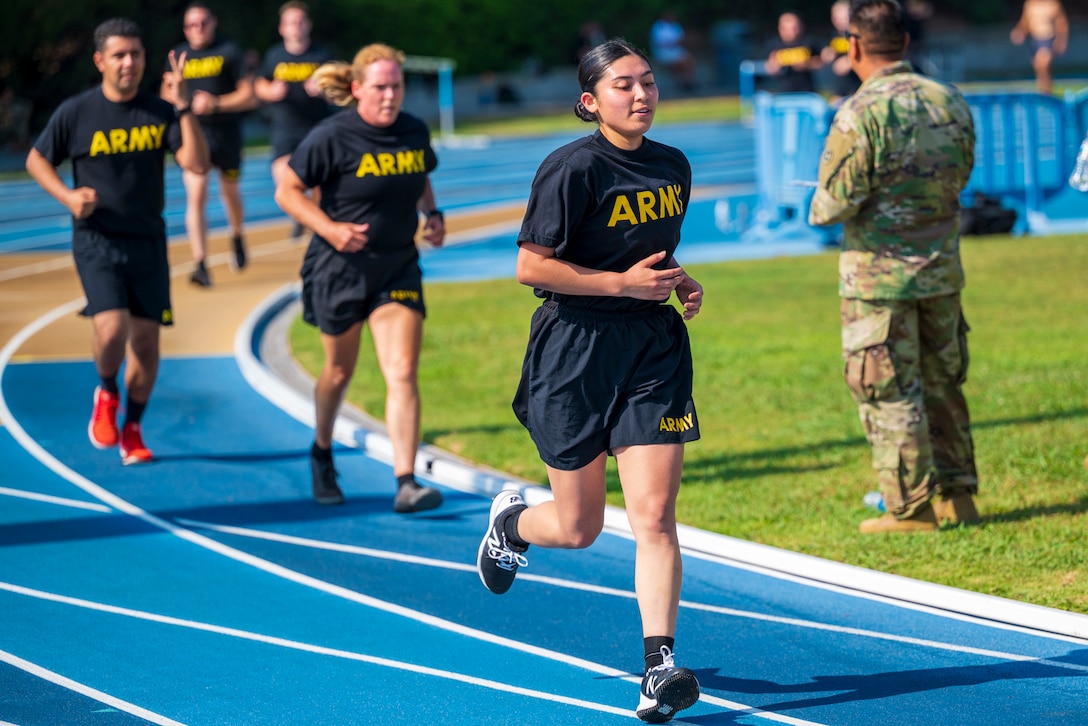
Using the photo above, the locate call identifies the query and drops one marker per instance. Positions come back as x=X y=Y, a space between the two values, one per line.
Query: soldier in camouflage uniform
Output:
x=898 y=154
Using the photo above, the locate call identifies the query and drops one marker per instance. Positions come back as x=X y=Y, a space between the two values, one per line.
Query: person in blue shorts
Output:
x=285 y=81
x=372 y=164
x=1044 y=26
x=608 y=367
x=117 y=137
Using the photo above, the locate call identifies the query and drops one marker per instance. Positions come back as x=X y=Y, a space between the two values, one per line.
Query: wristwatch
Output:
x=436 y=213
x=179 y=112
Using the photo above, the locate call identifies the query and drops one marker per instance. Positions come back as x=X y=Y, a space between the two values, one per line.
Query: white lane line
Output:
x=53 y=464
x=36 y=268
x=941 y=600
x=626 y=594
x=74 y=503
x=278 y=642
x=58 y=679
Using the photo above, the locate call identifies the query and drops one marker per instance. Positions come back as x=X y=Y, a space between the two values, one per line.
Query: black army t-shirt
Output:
x=369 y=174
x=789 y=79
x=216 y=69
x=117 y=149
x=298 y=111
x=605 y=208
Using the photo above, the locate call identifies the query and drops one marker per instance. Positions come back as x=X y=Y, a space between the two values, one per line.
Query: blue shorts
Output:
x=595 y=381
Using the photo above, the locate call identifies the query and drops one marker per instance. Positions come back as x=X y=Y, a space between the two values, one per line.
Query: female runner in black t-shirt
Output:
x=608 y=365
x=371 y=164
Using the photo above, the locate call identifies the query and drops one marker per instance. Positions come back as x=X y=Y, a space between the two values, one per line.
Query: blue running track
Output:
x=208 y=588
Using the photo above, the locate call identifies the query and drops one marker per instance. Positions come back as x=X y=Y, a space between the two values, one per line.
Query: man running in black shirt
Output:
x=117 y=138
x=222 y=88
x=285 y=81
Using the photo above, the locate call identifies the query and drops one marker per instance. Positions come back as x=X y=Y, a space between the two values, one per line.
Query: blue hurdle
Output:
x=790 y=129
x=1021 y=152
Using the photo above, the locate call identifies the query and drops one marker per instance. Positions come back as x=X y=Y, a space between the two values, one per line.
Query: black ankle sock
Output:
x=134 y=411
x=406 y=480
x=317 y=452
x=652 y=646
x=509 y=526
x=109 y=384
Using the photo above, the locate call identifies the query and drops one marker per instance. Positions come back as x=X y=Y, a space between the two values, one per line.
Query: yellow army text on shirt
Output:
x=897 y=157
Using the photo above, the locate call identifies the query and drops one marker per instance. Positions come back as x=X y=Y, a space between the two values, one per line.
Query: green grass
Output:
x=782 y=460
x=688 y=110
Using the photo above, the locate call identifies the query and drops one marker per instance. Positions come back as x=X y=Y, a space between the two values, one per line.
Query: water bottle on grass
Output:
x=874 y=500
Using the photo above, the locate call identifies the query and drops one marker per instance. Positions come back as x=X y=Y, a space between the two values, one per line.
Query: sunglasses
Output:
x=198 y=24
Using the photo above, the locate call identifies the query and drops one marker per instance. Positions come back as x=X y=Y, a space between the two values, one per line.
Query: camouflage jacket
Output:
x=897 y=156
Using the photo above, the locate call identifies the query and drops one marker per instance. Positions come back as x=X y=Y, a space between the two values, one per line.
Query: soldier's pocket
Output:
x=868 y=366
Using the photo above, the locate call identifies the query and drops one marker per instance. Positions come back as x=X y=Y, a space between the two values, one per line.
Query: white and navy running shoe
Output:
x=497 y=560
x=666 y=689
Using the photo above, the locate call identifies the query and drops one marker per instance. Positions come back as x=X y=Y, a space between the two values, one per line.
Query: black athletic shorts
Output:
x=595 y=381
x=339 y=290
x=123 y=274
x=225 y=147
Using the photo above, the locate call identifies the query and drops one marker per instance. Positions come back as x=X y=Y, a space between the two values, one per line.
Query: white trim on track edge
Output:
x=449 y=470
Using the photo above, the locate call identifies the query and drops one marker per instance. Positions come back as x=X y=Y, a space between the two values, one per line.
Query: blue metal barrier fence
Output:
x=1025 y=150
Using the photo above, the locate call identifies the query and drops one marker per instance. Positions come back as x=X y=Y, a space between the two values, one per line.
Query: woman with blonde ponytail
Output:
x=371 y=163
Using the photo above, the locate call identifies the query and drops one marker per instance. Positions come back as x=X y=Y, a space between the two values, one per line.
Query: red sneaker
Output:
x=102 y=430
x=133 y=450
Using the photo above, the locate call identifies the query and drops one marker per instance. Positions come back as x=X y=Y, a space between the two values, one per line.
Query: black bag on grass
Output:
x=986 y=216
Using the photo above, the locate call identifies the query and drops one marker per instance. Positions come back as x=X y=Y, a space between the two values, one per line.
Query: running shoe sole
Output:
x=677 y=692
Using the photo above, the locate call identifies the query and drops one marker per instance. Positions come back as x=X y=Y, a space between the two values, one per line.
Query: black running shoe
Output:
x=666 y=689
x=239 y=246
x=326 y=491
x=411 y=497
x=200 y=275
x=497 y=560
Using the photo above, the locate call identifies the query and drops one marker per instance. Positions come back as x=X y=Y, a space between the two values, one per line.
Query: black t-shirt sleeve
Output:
x=313 y=160
x=54 y=142
x=237 y=59
x=268 y=65
x=557 y=204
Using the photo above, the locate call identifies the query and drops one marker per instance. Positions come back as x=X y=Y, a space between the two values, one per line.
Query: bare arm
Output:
x=1061 y=31
x=537 y=266
x=689 y=292
x=242 y=98
x=292 y=198
x=269 y=91
x=1019 y=31
x=81 y=202
x=434 y=228
x=193 y=153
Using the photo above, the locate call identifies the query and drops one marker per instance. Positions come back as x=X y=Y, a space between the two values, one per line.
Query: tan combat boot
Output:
x=957 y=508
x=924 y=521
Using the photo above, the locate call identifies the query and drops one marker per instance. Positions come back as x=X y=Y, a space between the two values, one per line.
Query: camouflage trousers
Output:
x=905 y=362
